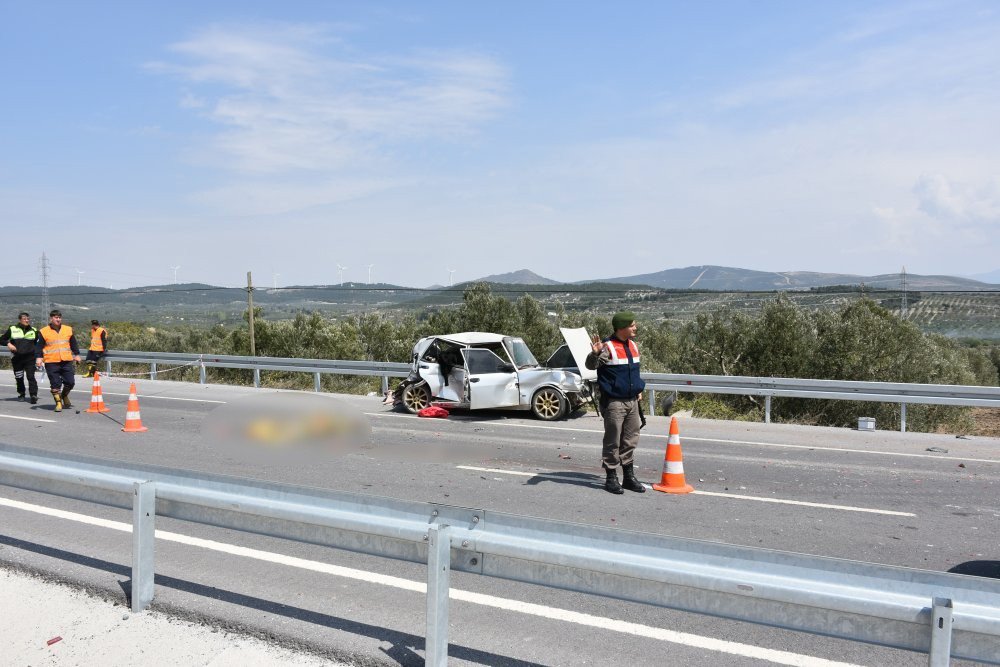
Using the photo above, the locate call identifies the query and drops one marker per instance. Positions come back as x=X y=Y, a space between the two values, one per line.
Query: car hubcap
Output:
x=415 y=399
x=547 y=404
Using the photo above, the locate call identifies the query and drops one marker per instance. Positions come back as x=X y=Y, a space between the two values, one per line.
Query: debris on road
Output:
x=940 y=450
x=53 y=641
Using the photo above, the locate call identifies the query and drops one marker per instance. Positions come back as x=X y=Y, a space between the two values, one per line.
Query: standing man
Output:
x=20 y=339
x=98 y=346
x=57 y=349
x=616 y=359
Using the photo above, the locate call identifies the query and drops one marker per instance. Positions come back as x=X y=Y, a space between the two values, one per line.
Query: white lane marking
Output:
x=527 y=608
x=504 y=472
x=165 y=398
x=30 y=419
x=733 y=442
x=846 y=508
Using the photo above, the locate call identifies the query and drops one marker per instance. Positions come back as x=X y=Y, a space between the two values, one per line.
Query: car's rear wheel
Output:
x=548 y=404
x=416 y=397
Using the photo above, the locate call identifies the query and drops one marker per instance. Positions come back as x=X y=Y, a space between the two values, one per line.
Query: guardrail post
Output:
x=256 y=377
x=385 y=385
x=438 y=578
x=107 y=366
x=652 y=402
x=767 y=409
x=940 y=654
x=317 y=382
x=902 y=417
x=152 y=370
x=143 y=530
x=201 y=372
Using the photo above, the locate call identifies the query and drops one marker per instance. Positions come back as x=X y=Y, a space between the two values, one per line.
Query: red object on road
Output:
x=433 y=411
x=53 y=641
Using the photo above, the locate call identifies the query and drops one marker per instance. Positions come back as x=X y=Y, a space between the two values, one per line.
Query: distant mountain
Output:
x=522 y=277
x=727 y=278
x=991 y=277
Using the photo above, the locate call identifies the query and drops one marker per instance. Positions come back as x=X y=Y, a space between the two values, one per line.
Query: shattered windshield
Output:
x=523 y=358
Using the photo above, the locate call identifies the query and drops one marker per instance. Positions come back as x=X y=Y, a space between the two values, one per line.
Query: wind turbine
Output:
x=341 y=269
x=175 y=268
x=370 y=273
x=276 y=280
x=79 y=274
x=451 y=275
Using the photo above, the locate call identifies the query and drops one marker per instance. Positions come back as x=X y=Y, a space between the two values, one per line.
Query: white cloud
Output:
x=270 y=198
x=960 y=203
x=285 y=98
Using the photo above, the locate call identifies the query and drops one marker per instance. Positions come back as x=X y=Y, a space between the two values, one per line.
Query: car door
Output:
x=428 y=368
x=492 y=381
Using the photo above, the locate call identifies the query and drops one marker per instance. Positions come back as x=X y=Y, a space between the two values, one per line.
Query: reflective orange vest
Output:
x=96 y=340
x=57 y=344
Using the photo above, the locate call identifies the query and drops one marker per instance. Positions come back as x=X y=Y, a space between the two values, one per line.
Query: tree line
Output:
x=858 y=341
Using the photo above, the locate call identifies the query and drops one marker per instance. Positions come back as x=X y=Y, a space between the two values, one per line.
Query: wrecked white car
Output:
x=476 y=370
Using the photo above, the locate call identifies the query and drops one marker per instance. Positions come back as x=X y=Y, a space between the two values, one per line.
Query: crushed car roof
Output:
x=472 y=338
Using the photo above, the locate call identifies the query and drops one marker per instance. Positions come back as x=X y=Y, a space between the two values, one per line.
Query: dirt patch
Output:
x=987 y=422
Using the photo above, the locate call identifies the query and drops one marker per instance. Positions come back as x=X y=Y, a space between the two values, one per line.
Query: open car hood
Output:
x=579 y=344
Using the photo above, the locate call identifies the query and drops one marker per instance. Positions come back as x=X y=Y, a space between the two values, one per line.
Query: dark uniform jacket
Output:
x=23 y=338
x=617 y=367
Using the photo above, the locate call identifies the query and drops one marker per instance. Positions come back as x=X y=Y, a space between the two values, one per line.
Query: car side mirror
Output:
x=507 y=368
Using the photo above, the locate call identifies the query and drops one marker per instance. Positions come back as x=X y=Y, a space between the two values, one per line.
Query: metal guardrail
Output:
x=767 y=388
x=317 y=367
x=939 y=614
x=880 y=392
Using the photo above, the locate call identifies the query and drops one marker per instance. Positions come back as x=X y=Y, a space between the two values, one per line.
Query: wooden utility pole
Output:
x=253 y=346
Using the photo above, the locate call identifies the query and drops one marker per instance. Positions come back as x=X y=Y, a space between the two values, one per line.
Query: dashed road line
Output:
x=30 y=419
x=819 y=448
x=846 y=508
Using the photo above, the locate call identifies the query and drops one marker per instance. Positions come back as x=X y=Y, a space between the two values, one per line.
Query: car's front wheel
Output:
x=548 y=404
x=416 y=397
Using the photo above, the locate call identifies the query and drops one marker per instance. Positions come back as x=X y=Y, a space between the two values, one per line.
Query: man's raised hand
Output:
x=595 y=343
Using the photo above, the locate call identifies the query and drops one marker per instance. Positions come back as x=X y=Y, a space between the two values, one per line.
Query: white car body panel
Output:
x=580 y=347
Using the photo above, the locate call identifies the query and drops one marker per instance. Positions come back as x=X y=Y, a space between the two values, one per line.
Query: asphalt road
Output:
x=917 y=500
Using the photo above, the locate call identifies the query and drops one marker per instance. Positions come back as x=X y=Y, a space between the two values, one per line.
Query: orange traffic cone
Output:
x=673 y=480
x=96 y=397
x=133 y=423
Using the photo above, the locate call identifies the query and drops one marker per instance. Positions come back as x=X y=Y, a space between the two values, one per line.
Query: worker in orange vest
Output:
x=98 y=346
x=56 y=348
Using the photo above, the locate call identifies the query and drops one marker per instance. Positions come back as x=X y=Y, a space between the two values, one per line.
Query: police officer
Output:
x=20 y=339
x=616 y=359
x=98 y=346
x=57 y=349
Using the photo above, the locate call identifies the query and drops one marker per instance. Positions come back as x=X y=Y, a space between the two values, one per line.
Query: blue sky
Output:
x=576 y=139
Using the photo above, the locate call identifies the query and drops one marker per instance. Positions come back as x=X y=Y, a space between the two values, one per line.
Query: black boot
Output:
x=630 y=482
x=611 y=485
x=65 y=398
